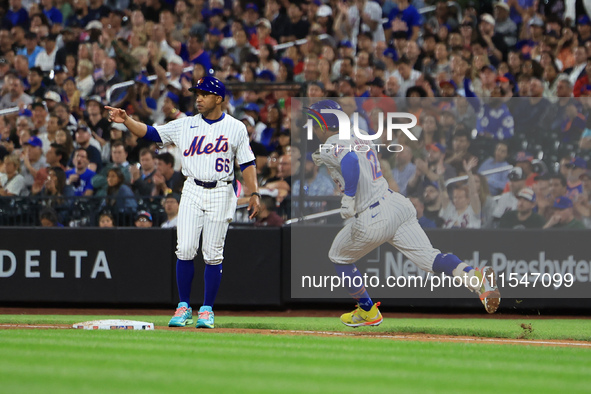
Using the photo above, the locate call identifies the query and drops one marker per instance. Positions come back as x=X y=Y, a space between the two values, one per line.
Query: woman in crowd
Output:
x=11 y=182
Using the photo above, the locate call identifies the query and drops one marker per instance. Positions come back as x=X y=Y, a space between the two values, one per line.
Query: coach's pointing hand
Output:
x=255 y=205
x=116 y=115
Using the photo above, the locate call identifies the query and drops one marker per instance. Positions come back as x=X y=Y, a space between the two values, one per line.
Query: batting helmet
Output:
x=211 y=85
x=325 y=121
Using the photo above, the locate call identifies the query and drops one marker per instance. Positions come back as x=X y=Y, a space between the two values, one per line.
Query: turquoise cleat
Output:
x=205 y=317
x=182 y=317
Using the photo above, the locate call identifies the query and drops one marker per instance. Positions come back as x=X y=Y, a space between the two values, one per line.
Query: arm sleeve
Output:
x=350 y=171
x=246 y=165
x=152 y=135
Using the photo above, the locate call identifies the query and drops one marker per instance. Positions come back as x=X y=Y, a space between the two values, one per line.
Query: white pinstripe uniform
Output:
x=208 y=154
x=382 y=215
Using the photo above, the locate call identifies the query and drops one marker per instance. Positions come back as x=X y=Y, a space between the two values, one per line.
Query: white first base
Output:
x=114 y=324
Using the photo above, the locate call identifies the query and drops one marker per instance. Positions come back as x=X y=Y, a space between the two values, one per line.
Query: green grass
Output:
x=190 y=360
x=492 y=328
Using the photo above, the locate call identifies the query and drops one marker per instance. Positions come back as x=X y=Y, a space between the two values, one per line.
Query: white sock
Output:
x=465 y=276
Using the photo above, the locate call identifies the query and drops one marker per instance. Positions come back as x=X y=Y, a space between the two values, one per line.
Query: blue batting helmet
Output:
x=211 y=85
x=325 y=121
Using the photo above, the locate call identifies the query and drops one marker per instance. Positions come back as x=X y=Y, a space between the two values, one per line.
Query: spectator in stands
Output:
x=496 y=180
x=268 y=216
x=143 y=219
x=403 y=169
x=56 y=193
x=85 y=80
x=81 y=175
x=31 y=49
x=459 y=154
x=56 y=156
x=108 y=79
x=120 y=199
x=83 y=140
x=420 y=207
x=574 y=185
x=106 y=220
x=48 y=218
x=315 y=183
x=100 y=182
x=64 y=138
x=523 y=216
x=166 y=179
x=11 y=182
x=426 y=170
x=282 y=183
x=15 y=95
x=563 y=215
x=142 y=179
x=508 y=200
x=406 y=76
x=37 y=88
x=39 y=119
x=171 y=208
x=73 y=98
x=464 y=211
x=46 y=58
x=32 y=160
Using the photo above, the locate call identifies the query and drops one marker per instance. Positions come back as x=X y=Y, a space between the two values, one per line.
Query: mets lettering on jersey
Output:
x=198 y=148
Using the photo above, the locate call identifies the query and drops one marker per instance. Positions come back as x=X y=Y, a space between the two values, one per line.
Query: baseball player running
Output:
x=209 y=142
x=378 y=215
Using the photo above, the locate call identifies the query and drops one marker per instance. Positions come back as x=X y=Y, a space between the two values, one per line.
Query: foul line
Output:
x=436 y=338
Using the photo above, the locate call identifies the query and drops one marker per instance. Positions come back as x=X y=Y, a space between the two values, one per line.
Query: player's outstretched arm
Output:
x=119 y=115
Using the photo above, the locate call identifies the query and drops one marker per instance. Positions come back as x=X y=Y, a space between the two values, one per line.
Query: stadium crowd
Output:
x=493 y=85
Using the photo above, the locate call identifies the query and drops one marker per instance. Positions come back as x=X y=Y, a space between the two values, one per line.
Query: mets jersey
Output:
x=208 y=148
x=371 y=185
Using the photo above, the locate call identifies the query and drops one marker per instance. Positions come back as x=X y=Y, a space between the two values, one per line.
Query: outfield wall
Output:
x=263 y=267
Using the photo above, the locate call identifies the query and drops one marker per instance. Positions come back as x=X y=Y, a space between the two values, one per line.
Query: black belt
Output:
x=209 y=185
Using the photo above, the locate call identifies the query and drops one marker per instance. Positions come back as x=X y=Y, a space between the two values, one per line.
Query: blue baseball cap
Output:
x=214 y=32
x=287 y=62
x=346 y=44
x=34 y=141
x=563 y=202
x=251 y=107
x=252 y=6
x=488 y=67
x=584 y=20
x=144 y=214
x=142 y=79
x=266 y=74
x=391 y=53
x=211 y=85
x=577 y=162
x=216 y=11
x=173 y=97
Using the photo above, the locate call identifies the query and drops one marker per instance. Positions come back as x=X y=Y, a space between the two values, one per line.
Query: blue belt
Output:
x=209 y=185
x=375 y=204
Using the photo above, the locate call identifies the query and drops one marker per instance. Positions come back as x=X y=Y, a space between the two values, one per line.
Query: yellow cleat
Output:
x=359 y=317
x=488 y=292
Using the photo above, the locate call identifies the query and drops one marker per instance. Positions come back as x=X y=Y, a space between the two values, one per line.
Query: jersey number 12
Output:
x=375 y=164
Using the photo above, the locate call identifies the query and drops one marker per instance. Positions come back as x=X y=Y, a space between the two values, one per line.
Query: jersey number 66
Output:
x=222 y=164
